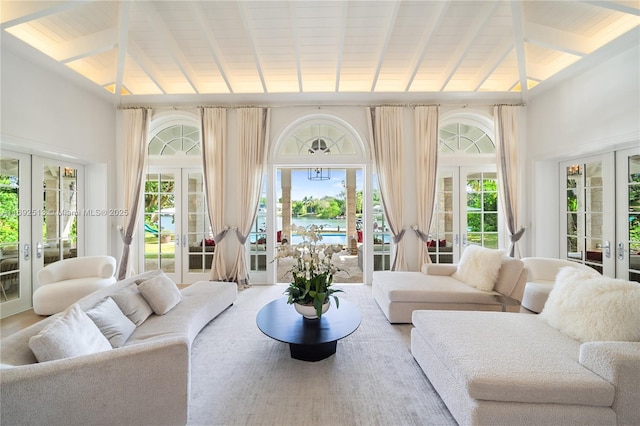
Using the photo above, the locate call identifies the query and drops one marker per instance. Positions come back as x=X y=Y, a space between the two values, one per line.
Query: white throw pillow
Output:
x=161 y=293
x=589 y=307
x=112 y=322
x=132 y=304
x=71 y=335
x=479 y=267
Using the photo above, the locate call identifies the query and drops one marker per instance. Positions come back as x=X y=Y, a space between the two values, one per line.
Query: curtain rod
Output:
x=177 y=107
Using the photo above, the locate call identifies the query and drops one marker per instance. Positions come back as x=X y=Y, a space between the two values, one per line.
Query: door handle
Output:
x=27 y=251
x=620 y=251
x=39 y=248
x=177 y=240
x=455 y=240
x=607 y=249
x=184 y=240
x=464 y=240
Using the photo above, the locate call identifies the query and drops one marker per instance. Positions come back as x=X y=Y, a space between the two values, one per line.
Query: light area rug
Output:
x=239 y=376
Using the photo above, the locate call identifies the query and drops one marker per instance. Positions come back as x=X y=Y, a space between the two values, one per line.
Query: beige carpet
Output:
x=242 y=377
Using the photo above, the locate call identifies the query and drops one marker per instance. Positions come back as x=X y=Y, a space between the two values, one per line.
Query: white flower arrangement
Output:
x=313 y=270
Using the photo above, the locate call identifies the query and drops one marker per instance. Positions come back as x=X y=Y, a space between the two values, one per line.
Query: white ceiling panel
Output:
x=270 y=47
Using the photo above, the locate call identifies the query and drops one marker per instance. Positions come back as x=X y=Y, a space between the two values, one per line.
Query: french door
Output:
x=601 y=212
x=627 y=247
x=466 y=212
x=15 y=232
x=176 y=234
x=40 y=207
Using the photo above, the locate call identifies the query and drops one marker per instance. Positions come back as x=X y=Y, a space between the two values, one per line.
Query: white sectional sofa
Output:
x=144 y=382
x=577 y=363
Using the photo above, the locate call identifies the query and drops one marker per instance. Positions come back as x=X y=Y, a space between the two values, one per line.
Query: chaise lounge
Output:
x=452 y=286
x=575 y=363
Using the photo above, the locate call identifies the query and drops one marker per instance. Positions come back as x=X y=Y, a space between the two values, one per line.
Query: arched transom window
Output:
x=319 y=137
x=178 y=139
x=459 y=138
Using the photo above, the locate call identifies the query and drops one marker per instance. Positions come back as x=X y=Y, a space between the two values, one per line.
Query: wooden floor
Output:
x=17 y=322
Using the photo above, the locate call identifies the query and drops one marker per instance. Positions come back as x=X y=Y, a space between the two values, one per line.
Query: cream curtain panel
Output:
x=136 y=125
x=426 y=134
x=386 y=135
x=506 y=129
x=253 y=149
x=213 y=130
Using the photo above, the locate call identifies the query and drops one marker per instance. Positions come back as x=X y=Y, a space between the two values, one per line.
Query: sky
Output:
x=302 y=187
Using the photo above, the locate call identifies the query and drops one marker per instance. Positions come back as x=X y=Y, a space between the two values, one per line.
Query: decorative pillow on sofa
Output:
x=161 y=293
x=132 y=304
x=112 y=322
x=479 y=267
x=73 y=334
x=589 y=307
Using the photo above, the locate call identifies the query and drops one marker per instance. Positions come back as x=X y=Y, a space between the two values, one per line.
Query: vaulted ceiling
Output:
x=140 y=48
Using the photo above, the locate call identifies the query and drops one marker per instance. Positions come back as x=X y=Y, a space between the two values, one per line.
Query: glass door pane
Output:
x=160 y=222
x=627 y=247
x=482 y=209
x=444 y=222
x=60 y=207
x=381 y=233
x=584 y=213
x=201 y=246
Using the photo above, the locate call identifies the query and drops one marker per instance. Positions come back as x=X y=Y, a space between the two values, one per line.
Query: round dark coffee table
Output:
x=309 y=340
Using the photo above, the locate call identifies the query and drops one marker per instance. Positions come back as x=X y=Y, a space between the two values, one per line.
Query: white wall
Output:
x=45 y=114
x=594 y=112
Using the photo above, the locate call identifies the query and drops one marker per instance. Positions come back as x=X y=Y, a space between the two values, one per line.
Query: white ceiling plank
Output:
x=123 y=37
x=212 y=42
x=390 y=25
x=517 y=18
x=430 y=28
x=558 y=40
x=172 y=46
x=456 y=57
x=87 y=46
x=341 y=38
x=244 y=14
x=18 y=12
x=492 y=63
x=296 y=41
x=618 y=7
x=147 y=66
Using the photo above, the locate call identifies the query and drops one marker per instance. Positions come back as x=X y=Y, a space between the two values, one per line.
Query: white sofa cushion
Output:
x=479 y=267
x=132 y=304
x=73 y=334
x=589 y=307
x=112 y=322
x=161 y=293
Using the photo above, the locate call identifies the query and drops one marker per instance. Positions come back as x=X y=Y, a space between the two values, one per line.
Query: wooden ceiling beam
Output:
x=212 y=43
x=169 y=41
x=464 y=45
x=518 y=37
x=431 y=26
x=123 y=37
x=244 y=14
x=390 y=25
x=86 y=46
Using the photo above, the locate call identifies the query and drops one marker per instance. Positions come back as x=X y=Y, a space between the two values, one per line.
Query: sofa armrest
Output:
x=146 y=383
x=619 y=364
x=444 y=269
